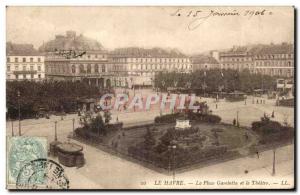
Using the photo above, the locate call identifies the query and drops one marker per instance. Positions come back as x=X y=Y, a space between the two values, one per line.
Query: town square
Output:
x=92 y=106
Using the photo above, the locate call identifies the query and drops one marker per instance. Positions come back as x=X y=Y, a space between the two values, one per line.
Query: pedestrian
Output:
x=273 y=114
x=216 y=106
x=234 y=122
x=246 y=136
x=261 y=101
x=257 y=101
x=257 y=153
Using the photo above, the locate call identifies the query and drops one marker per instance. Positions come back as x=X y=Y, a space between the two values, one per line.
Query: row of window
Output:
x=235 y=59
x=24 y=68
x=274 y=63
x=24 y=76
x=82 y=69
x=150 y=60
x=22 y=59
x=95 y=56
x=142 y=73
x=242 y=59
x=263 y=63
x=91 y=56
x=272 y=72
x=89 y=68
x=158 y=66
x=274 y=56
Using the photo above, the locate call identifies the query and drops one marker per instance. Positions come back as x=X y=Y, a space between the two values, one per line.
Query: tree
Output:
x=149 y=140
x=107 y=116
x=97 y=125
x=49 y=95
x=213 y=79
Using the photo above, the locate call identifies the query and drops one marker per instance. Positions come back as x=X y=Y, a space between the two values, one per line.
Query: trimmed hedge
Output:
x=171 y=118
x=89 y=134
x=168 y=118
x=286 y=102
x=183 y=157
x=272 y=131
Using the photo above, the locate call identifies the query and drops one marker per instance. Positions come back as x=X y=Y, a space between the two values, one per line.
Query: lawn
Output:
x=231 y=136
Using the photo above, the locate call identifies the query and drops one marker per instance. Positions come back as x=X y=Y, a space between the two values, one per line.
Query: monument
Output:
x=182 y=123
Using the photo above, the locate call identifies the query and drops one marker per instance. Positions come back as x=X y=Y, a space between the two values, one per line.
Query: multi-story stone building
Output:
x=204 y=62
x=273 y=59
x=23 y=62
x=78 y=58
x=237 y=58
x=141 y=65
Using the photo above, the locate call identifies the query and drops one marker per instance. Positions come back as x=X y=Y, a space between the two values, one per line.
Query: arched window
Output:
x=96 y=67
x=89 y=68
x=73 y=69
x=81 y=68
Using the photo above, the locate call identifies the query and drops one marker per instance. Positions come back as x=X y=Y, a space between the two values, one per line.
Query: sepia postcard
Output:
x=150 y=97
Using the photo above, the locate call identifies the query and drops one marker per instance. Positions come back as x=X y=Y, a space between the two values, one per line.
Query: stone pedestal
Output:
x=70 y=155
x=53 y=148
x=182 y=124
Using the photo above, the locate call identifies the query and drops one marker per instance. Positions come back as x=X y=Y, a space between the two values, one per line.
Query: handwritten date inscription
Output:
x=198 y=17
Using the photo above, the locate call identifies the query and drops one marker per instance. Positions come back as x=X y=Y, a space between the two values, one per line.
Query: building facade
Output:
x=141 y=65
x=273 y=59
x=77 y=58
x=23 y=62
x=237 y=58
x=90 y=66
x=203 y=62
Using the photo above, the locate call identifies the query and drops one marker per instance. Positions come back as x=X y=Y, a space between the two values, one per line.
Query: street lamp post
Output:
x=12 y=128
x=163 y=84
x=73 y=122
x=174 y=147
x=19 y=110
x=273 y=172
x=237 y=118
x=55 y=135
x=171 y=149
x=204 y=84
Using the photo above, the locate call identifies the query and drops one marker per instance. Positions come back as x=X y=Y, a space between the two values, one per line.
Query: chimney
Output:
x=71 y=34
x=216 y=55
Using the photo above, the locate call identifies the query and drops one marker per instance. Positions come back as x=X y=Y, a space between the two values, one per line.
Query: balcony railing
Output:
x=25 y=72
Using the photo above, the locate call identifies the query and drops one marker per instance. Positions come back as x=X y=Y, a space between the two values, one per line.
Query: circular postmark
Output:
x=42 y=174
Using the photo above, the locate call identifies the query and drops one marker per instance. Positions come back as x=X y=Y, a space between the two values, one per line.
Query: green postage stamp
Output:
x=21 y=151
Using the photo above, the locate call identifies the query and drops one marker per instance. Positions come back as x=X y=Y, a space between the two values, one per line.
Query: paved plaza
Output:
x=103 y=170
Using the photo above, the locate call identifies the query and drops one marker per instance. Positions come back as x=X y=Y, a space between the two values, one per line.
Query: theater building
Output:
x=78 y=58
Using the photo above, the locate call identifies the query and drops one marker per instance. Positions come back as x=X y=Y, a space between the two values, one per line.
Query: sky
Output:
x=189 y=29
